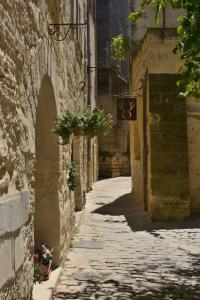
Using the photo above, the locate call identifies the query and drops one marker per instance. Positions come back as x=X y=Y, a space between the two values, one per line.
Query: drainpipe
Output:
x=89 y=158
x=145 y=147
x=88 y=57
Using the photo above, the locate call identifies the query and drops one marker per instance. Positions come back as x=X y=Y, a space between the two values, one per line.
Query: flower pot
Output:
x=77 y=131
x=46 y=270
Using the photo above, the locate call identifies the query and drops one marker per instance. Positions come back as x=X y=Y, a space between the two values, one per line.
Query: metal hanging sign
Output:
x=126 y=108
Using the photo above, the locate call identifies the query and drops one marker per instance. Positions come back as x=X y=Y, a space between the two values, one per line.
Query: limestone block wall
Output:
x=139 y=66
x=80 y=192
x=193 y=115
x=168 y=154
x=15 y=244
x=120 y=25
x=114 y=143
x=155 y=56
x=112 y=80
x=31 y=59
x=140 y=27
x=114 y=166
x=92 y=158
x=103 y=32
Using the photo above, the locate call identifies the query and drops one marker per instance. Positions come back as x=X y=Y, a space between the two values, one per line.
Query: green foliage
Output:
x=65 y=126
x=87 y=123
x=73 y=172
x=120 y=48
x=159 y=6
x=189 y=45
x=38 y=274
x=95 y=122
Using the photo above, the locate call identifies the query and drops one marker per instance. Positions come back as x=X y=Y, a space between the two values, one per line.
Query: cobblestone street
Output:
x=120 y=254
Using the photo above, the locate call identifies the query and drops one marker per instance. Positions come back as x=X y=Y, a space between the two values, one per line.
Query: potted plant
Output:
x=95 y=122
x=88 y=123
x=42 y=263
x=65 y=125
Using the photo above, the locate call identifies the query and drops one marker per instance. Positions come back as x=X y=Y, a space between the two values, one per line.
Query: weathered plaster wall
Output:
x=27 y=54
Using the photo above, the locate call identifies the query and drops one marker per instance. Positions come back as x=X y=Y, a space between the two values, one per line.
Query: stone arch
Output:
x=47 y=213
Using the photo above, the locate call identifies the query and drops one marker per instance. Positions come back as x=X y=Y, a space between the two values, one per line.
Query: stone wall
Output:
x=171 y=126
x=15 y=245
x=168 y=150
x=139 y=28
x=193 y=116
x=112 y=80
x=29 y=59
x=92 y=158
x=103 y=32
x=114 y=143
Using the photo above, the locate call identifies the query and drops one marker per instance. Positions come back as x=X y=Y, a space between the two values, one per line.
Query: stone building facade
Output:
x=164 y=141
x=39 y=79
x=93 y=160
x=112 y=80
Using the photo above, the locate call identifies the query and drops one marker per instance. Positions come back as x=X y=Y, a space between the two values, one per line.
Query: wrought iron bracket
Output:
x=59 y=31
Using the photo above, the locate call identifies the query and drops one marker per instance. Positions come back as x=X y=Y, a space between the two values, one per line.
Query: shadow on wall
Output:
x=47 y=211
x=138 y=219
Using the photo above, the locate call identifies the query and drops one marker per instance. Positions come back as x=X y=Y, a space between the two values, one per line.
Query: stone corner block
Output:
x=6 y=265
x=19 y=250
x=14 y=212
x=169 y=209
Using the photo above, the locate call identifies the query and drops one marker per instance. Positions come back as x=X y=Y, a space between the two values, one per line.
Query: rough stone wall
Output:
x=139 y=67
x=155 y=56
x=27 y=54
x=139 y=28
x=103 y=32
x=119 y=10
x=92 y=163
x=169 y=168
x=79 y=193
x=111 y=21
x=193 y=116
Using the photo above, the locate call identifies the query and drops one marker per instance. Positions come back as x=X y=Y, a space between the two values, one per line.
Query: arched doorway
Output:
x=47 y=214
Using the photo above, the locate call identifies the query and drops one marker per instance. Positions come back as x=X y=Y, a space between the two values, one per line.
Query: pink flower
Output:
x=36 y=256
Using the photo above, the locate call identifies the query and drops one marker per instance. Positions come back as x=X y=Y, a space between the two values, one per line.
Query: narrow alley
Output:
x=119 y=254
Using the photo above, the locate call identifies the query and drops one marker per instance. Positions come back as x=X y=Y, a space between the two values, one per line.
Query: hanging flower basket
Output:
x=88 y=123
x=78 y=131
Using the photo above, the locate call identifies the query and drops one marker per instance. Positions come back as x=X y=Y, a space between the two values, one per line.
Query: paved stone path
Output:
x=134 y=258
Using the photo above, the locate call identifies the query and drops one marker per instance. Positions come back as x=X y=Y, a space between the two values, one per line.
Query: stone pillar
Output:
x=168 y=150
